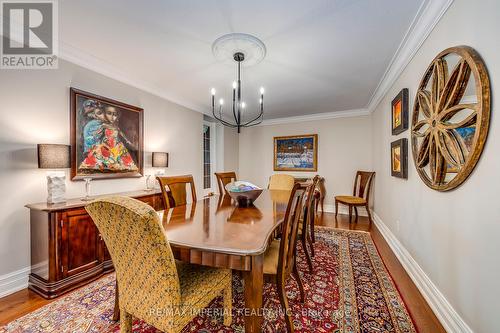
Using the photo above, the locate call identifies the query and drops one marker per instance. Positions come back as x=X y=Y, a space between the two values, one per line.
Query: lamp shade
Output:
x=52 y=156
x=160 y=160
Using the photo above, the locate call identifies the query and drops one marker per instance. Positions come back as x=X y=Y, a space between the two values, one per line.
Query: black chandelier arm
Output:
x=225 y=123
x=249 y=123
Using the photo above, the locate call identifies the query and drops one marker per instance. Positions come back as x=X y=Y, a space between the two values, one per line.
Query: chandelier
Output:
x=240 y=45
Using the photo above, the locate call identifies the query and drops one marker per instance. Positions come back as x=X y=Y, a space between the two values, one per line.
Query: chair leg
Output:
x=125 y=322
x=296 y=275
x=311 y=245
x=350 y=214
x=336 y=208
x=369 y=214
x=322 y=202
x=228 y=304
x=284 y=305
x=116 y=311
x=306 y=252
x=356 y=212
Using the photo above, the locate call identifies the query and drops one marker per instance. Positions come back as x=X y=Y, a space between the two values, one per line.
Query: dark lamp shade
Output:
x=160 y=160
x=52 y=156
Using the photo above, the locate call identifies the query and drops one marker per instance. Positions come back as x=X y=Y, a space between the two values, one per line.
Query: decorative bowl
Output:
x=244 y=193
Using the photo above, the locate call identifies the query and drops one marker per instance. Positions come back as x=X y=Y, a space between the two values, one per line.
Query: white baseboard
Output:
x=449 y=318
x=15 y=281
x=343 y=210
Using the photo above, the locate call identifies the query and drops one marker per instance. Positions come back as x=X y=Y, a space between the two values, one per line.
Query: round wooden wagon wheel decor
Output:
x=451 y=117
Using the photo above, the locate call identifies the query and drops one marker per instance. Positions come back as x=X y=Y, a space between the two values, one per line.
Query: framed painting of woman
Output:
x=106 y=137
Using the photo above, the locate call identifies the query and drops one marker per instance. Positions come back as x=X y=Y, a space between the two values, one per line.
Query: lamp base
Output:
x=56 y=187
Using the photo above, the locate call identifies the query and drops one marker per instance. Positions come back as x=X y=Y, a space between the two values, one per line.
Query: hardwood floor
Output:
x=26 y=301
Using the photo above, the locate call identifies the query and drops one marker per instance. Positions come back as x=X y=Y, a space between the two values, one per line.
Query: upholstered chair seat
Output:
x=350 y=200
x=198 y=288
x=152 y=285
x=271 y=258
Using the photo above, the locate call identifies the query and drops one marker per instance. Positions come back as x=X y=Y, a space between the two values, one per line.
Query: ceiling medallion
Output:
x=224 y=48
x=245 y=50
x=451 y=117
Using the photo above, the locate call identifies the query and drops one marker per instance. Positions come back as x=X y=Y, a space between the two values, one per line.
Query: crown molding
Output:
x=86 y=60
x=428 y=16
x=316 y=116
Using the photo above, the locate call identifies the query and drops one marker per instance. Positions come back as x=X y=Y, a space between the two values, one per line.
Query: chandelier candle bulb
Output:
x=212 y=91
x=221 y=101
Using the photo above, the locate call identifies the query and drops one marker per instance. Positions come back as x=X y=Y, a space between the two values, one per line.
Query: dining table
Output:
x=216 y=232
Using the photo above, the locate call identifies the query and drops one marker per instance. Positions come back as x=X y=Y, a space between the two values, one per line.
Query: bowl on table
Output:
x=244 y=193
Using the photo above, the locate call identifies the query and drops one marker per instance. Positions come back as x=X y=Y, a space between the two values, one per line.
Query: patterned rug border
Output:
x=367 y=233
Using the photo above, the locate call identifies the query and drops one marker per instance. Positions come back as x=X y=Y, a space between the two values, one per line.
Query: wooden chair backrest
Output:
x=176 y=194
x=362 y=184
x=281 y=181
x=289 y=229
x=224 y=178
x=309 y=211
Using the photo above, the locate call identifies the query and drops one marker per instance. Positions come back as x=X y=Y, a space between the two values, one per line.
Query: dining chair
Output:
x=174 y=190
x=360 y=196
x=306 y=222
x=280 y=258
x=281 y=181
x=153 y=286
x=224 y=178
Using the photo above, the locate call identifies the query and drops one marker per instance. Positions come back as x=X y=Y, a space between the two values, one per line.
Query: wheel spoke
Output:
x=438 y=81
x=423 y=152
x=451 y=148
x=424 y=100
x=455 y=87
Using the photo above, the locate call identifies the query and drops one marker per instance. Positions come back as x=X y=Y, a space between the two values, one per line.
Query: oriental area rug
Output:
x=349 y=291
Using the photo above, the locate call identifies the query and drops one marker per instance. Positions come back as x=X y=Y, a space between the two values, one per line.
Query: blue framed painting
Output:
x=296 y=153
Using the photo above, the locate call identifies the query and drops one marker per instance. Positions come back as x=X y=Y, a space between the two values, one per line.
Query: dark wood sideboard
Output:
x=67 y=250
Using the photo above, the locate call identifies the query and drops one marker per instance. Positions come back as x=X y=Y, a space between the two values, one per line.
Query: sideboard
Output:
x=67 y=250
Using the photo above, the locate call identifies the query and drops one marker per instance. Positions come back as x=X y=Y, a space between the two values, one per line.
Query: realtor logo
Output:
x=29 y=34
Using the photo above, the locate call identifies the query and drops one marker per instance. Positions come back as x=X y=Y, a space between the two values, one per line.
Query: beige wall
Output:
x=35 y=109
x=453 y=236
x=231 y=150
x=343 y=147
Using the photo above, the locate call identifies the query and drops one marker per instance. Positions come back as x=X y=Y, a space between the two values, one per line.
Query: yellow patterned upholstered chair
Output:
x=281 y=181
x=152 y=285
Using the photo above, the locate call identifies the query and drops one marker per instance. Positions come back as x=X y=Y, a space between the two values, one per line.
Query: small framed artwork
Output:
x=399 y=158
x=106 y=137
x=400 y=112
x=296 y=153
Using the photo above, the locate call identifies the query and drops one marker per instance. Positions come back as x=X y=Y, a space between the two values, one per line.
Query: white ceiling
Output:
x=322 y=55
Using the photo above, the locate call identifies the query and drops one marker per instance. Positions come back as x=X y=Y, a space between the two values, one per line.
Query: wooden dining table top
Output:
x=217 y=224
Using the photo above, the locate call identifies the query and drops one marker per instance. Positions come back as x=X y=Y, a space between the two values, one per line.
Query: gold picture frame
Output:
x=296 y=153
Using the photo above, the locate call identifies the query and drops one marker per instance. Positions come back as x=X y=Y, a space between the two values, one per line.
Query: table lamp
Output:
x=160 y=160
x=54 y=157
